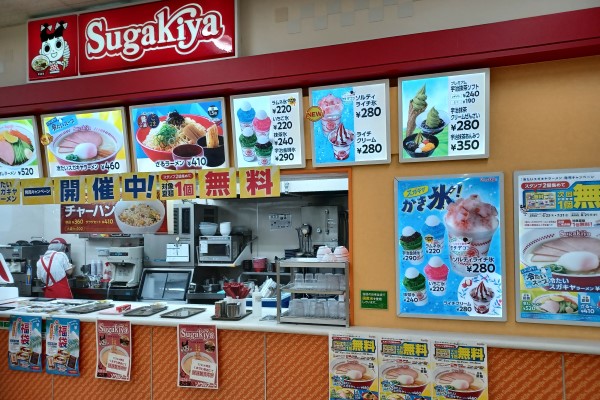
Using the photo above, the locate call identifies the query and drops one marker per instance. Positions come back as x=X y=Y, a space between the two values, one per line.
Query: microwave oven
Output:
x=219 y=248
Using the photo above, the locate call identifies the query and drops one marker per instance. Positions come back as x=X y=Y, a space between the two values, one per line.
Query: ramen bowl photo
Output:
x=558 y=303
x=356 y=374
x=408 y=378
x=172 y=131
x=459 y=384
x=571 y=256
x=105 y=353
x=138 y=217
x=188 y=359
x=87 y=147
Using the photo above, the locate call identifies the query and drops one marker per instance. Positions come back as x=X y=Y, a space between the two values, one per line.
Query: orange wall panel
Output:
x=582 y=376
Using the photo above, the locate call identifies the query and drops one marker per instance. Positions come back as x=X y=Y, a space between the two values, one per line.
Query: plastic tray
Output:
x=215 y=318
x=6 y=308
x=88 y=308
x=144 y=311
x=184 y=312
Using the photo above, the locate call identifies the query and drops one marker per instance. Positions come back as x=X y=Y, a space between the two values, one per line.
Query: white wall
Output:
x=269 y=26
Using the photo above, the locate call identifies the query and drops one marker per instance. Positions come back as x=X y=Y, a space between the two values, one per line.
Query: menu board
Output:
x=444 y=116
x=25 y=343
x=350 y=124
x=460 y=370
x=450 y=247
x=113 y=350
x=130 y=217
x=62 y=346
x=180 y=135
x=353 y=366
x=85 y=142
x=405 y=371
x=19 y=148
x=268 y=129
x=198 y=356
x=558 y=246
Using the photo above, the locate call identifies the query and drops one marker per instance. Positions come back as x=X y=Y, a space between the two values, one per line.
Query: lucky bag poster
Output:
x=558 y=250
x=449 y=246
x=62 y=346
x=25 y=343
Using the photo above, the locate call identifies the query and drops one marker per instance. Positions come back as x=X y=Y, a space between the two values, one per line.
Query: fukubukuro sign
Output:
x=52 y=47
x=156 y=33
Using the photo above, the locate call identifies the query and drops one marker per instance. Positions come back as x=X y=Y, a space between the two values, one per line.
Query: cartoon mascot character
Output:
x=54 y=46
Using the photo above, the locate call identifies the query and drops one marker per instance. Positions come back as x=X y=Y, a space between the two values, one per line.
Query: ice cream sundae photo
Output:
x=482 y=297
x=341 y=140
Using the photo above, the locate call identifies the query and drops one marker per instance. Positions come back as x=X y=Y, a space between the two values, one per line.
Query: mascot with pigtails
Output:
x=54 y=47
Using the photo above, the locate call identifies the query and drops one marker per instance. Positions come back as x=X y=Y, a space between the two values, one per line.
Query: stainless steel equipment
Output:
x=23 y=253
x=324 y=221
x=219 y=248
x=179 y=248
x=127 y=263
x=165 y=284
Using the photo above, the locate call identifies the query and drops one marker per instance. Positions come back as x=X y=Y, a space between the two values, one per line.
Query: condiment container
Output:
x=257 y=302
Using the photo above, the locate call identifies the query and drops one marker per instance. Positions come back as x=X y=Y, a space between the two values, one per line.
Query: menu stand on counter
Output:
x=312 y=291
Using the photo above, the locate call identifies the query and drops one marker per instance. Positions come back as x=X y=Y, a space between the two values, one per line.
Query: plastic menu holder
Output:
x=184 y=312
x=144 y=311
x=88 y=308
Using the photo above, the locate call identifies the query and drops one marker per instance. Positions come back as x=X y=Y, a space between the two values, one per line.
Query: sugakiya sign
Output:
x=146 y=35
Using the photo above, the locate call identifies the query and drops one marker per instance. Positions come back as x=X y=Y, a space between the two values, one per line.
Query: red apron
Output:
x=58 y=290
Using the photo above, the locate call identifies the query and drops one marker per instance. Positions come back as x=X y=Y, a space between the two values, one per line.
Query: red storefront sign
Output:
x=52 y=47
x=158 y=33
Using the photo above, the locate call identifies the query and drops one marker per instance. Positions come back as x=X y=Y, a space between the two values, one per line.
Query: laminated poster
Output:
x=450 y=247
x=268 y=129
x=353 y=366
x=350 y=124
x=25 y=343
x=558 y=231
x=85 y=143
x=459 y=370
x=198 y=356
x=183 y=135
x=62 y=346
x=443 y=116
x=405 y=368
x=113 y=345
x=19 y=149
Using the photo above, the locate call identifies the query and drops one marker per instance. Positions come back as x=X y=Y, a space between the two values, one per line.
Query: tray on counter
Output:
x=215 y=318
x=88 y=308
x=184 y=312
x=6 y=308
x=144 y=311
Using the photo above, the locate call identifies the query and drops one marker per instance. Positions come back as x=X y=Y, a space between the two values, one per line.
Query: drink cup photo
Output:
x=188 y=156
x=471 y=224
x=332 y=113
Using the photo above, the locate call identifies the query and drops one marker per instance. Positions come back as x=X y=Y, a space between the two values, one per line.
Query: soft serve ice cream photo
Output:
x=450 y=245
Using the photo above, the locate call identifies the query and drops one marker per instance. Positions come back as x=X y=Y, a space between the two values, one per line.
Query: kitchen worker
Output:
x=53 y=269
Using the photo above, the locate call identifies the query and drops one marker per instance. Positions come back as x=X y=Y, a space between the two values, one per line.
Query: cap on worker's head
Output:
x=58 y=240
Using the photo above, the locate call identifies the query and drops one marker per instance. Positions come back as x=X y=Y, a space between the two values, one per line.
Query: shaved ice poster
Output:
x=444 y=116
x=85 y=143
x=268 y=129
x=181 y=135
x=557 y=230
x=19 y=148
x=449 y=247
x=350 y=124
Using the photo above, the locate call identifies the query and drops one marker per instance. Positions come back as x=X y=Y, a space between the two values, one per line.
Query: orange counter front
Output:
x=279 y=366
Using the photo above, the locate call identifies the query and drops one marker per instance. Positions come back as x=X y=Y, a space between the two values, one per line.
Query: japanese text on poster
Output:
x=444 y=116
x=113 y=344
x=62 y=346
x=559 y=246
x=198 y=356
x=25 y=343
x=350 y=124
x=268 y=129
x=450 y=246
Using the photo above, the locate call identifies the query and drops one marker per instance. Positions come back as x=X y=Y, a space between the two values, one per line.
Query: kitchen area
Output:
x=209 y=246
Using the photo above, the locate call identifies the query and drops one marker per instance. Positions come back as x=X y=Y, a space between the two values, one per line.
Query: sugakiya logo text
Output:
x=113 y=329
x=204 y=335
x=182 y=30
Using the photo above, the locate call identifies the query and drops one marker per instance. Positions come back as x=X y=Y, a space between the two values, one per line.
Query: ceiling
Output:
x=17 y=12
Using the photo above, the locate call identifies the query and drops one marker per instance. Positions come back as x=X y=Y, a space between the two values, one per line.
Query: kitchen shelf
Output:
x=312 y=320
x=299 y=264
x=264 y=273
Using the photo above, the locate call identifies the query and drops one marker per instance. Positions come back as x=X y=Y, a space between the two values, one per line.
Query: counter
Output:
x=266 y=360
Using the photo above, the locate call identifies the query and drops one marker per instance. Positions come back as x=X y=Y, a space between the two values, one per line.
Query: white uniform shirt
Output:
x=60 y=264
